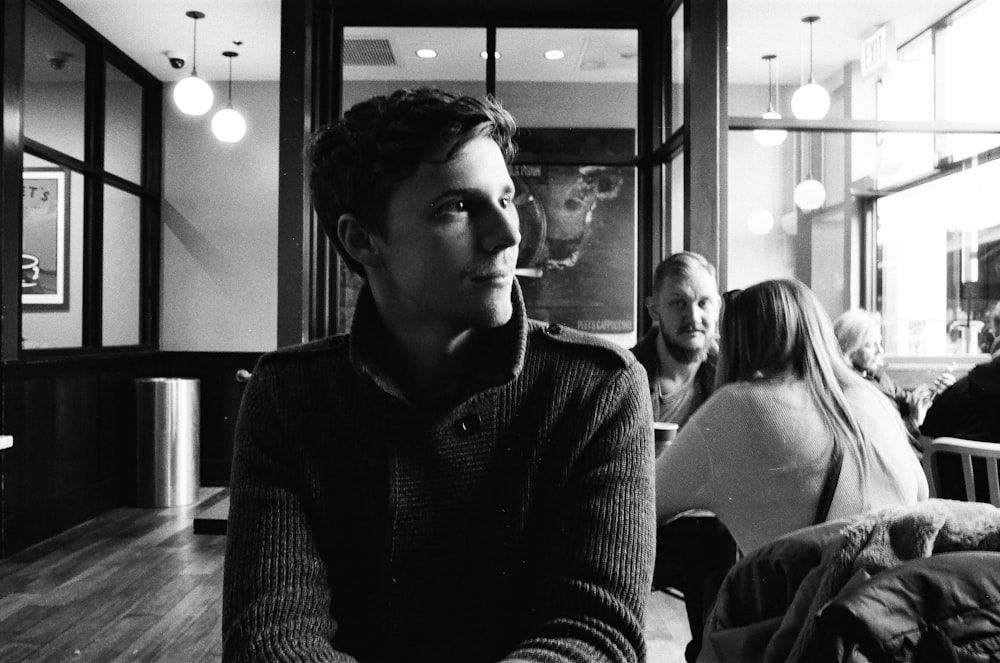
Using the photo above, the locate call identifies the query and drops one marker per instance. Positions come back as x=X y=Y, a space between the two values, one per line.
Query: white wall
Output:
x=220 y=227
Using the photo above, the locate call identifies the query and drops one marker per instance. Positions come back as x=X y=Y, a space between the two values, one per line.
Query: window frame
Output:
x=100 y=53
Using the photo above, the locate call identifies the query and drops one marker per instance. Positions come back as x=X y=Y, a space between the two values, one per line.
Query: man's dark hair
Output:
x=356 y=164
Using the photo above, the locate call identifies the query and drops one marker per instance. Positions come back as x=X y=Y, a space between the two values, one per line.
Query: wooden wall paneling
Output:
x=74 y=422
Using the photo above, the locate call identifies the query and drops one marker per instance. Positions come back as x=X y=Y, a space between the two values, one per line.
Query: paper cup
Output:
x=664 y=433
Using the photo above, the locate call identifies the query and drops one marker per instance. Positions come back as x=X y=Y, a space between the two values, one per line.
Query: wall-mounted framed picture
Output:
x=576 y=204
x=45 y=239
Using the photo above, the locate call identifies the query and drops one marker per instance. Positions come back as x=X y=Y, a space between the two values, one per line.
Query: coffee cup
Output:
x=664 y=433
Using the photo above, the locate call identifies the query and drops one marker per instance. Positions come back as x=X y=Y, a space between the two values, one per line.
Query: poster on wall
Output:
x=45 y=239
x=576 y=264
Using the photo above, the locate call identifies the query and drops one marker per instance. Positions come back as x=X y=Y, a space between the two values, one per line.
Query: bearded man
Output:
x=694 y=552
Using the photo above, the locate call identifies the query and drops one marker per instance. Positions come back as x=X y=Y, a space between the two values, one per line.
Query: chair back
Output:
x=966 y=450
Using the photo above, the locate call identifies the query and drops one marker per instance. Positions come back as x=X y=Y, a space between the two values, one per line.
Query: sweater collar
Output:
x=371 y=351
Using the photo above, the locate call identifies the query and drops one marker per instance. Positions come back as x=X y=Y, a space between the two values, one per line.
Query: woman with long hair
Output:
x=792 y=435
x=859 y=334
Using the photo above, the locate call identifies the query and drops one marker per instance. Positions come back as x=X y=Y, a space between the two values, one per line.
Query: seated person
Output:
x=679 y=355
x=792 y=435
x=969 y=409
x=989 y=339
x=859 y=333
x=451 y=481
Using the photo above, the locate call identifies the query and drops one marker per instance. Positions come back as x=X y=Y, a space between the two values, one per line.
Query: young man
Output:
x=451 y=481
x=679 y=351
x=679 y=355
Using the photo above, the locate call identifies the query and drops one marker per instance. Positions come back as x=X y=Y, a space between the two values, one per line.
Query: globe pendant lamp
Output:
x=770 y=137
x=760 y=222
x=192 y=95
x=228 y=125
x=811 y=101
x=809 y=194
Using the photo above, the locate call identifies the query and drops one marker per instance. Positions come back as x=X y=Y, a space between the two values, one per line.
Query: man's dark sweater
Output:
x=516 y=525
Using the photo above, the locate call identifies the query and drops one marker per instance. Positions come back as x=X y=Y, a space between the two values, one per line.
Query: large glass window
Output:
x=122 y=125
x=676 y=105
x=84 y=185
x=676 y=205
x=122 y=253
x=381 y=60
x=895 y=220
x=968 y=43
x=939 y=262
x=51 y=256
x=55 y=65
x=575 y=173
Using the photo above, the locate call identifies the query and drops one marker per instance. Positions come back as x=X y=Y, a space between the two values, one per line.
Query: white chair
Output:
x=966 y=450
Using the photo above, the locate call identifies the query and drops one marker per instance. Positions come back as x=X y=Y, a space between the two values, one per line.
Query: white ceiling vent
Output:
x=368 y=53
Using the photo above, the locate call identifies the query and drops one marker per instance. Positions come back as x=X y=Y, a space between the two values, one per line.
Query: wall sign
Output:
x=878 y=50
x=45 y=239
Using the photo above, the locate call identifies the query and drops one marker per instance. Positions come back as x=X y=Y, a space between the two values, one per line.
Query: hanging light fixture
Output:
x=760 y=222
x=228 y=125
x=811 y=101
x=192 y=95
x=809 y=194
x=770 y=137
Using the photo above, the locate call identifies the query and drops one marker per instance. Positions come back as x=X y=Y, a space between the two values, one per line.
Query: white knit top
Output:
x=756 y=454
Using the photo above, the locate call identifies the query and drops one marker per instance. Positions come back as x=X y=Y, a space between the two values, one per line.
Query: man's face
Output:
x=448 y=245
x=870 y=356
x=687 y=310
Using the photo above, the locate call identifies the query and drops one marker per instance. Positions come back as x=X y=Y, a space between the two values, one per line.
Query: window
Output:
x=939 y=262
x=576 y=167
x=903 y=224
x=82 y=285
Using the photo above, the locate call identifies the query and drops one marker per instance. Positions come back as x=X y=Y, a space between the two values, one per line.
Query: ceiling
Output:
x=146 y=30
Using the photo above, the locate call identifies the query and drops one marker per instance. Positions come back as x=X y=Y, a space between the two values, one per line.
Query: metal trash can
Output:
x=167 y=444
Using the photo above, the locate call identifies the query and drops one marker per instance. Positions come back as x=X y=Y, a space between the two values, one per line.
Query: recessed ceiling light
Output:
x=554 y=54
x=484 y=55
x=426 y=53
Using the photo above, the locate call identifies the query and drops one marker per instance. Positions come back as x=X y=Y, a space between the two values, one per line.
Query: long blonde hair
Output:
x=779 y=326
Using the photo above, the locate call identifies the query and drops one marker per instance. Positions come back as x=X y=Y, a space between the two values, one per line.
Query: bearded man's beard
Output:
x=683 y=354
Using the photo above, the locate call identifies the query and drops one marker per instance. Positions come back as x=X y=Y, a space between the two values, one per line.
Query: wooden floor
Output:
x=140 y=585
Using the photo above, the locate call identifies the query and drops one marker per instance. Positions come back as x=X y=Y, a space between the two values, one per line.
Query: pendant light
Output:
x=811 y=101
x=809 y=194
x=770 y=137
x=192 y=95
x=760 y=222
x=228 y=125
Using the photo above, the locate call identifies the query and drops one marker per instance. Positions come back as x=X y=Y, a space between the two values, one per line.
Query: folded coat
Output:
x=791 y=600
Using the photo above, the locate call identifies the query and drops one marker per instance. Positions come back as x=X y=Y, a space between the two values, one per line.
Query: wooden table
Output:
x=212 y=515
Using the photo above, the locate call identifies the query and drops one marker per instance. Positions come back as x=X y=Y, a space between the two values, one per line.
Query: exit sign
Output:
x=878 y=50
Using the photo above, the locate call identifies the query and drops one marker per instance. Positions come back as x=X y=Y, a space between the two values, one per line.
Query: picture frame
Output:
x=45 y=239
x=576 y=206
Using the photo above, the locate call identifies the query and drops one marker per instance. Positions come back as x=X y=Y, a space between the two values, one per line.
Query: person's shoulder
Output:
x=330 y=346
x=742 y=392
x=870 y=404
x=556 y=338
x=768 y=399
